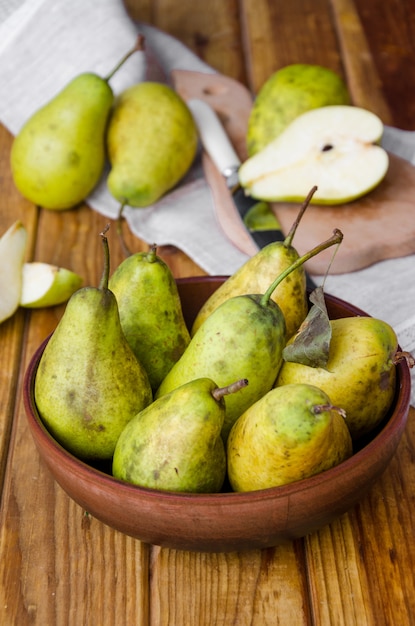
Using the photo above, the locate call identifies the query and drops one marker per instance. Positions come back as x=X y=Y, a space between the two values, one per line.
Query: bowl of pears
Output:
x=216 y=413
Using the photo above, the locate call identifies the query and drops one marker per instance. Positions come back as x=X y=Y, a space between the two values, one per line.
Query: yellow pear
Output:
x=287 y=93
x=243 y=338
x=293 y=432
x=58 y=156
x=152 y=141
x=150 y=312
x=360 y=373
x=175 y=443
x=89 y=383
x=256 y=274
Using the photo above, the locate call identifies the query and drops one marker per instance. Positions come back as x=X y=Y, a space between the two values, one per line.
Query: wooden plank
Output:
x=358 y=565
x=268 y=29
x=390 y=32
x=210 y=29
x=361 y=73
x=12 y=207
x=337 y=585
x=255 y=588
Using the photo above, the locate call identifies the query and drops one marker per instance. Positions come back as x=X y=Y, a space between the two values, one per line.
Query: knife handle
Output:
x=215 y=140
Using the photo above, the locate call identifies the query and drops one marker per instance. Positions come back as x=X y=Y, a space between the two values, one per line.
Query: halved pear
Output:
x=334 y=147
x=12 y=251
x=47 y=285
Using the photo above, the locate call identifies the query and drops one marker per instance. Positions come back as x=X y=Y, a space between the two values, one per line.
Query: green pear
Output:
x=292 y=433
x=152 y=141
x=89 y=383
x=256 y=274
x=58 y=156
x=333 y=147
x=47 y=285
x=175 y=444
x=286 y=94
x=260 y=217
x=360 y=374
x=242 y=338
x=12 y=253
x=150 y=312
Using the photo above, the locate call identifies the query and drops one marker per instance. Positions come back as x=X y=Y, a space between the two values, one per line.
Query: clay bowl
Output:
x=225 y=521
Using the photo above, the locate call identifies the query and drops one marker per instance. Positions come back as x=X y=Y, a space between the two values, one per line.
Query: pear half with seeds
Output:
x=286 y=94
x=334 y=147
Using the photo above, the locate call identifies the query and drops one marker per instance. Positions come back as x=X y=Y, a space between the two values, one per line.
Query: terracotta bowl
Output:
x=225 y=521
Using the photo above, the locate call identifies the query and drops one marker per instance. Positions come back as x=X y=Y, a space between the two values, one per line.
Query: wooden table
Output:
x=59 y=566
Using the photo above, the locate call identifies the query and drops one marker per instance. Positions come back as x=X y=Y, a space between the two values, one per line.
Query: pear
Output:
x=150 y=312
x=44 y=285
x=260 y=217
x=360 y=374
x=292 y=433
x=175 y=444
x=89 y=383
x=242 y=338
x=12 y=253
x=58 y=156
x=152 y=141
x=289 y=92
x=332 y=147
x=256 y=274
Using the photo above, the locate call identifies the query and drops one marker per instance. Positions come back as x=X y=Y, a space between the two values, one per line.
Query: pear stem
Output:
x=289 y=238
x=219 y=392
x=404 y=356
x=106 y=271
x=320 y=408
x=152 y=253
x=127 y=252
x=138 y=47
x=336 y=238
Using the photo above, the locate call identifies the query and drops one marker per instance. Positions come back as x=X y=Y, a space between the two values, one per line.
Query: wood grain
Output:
x=361 y=72
x=390 y=32
x=12 y=208
x=268 y=29
x=358 y=563
x=236 y=588
x=210 y=29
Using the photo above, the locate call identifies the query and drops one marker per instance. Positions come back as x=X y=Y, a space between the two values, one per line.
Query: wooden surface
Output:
x=59 y=565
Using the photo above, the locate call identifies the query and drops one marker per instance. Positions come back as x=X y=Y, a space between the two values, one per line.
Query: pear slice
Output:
x=333 y=147
x=12 y=251
x=47 y=285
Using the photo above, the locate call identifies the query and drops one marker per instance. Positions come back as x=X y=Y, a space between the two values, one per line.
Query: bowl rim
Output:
x=400 y=407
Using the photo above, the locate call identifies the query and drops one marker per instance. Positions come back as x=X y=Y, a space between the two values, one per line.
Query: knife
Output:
x=218 y=146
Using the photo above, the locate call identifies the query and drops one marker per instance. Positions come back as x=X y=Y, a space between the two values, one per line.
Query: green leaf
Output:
x=311 y=344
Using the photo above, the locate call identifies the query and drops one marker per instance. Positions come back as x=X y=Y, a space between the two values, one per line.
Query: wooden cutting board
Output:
x=379 y=226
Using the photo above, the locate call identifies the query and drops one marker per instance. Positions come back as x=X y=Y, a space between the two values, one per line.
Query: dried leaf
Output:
x=312 y=342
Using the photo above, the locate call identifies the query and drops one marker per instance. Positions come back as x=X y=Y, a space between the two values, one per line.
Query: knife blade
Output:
x=220 y=149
